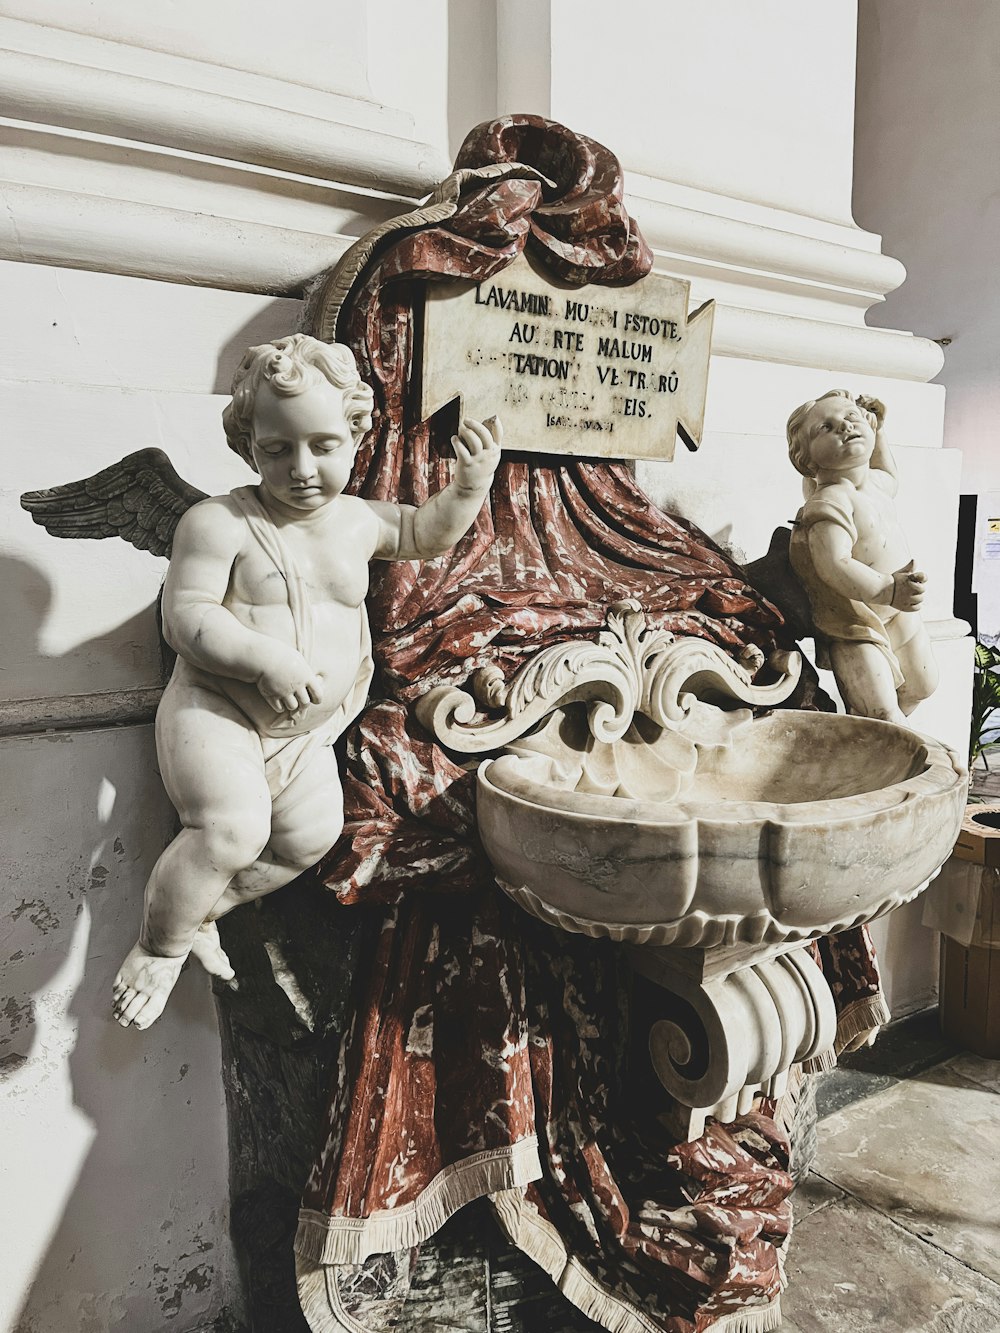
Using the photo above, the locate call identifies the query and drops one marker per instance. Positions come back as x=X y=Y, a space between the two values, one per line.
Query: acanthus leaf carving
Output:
x=630 y=669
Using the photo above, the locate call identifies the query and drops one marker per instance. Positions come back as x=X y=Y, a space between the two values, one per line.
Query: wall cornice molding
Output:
x=761 y=335
x=767 y=251
x=131 y=161
x=45 y=225
x=79 y=712
x=83 y=83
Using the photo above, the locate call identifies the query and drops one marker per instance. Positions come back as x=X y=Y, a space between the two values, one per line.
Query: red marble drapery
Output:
x=486 y=1055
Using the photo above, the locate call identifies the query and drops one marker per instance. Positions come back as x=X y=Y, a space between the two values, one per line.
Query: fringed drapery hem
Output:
x=350 y=1240
x=857 y=1026
x=320 y=1300
x=860 y=1021
x=542 y=1243
x=763 y=1319
x=822 y=1063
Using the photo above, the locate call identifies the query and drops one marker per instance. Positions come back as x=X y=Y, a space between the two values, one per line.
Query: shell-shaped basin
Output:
x=806 y=824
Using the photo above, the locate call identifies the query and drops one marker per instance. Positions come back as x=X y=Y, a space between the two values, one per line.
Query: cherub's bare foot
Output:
x=142 y=986
x=208 y=950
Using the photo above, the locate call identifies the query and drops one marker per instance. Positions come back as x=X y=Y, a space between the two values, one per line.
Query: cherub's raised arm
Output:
x=412 y=533
x=881 y=459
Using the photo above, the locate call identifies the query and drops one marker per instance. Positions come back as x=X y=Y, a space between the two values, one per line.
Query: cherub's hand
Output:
x=288 y=682
x=908 y=588
x=477 y=453
x=873 y=405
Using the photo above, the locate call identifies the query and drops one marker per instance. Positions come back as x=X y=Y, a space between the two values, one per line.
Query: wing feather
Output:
x=140 y=498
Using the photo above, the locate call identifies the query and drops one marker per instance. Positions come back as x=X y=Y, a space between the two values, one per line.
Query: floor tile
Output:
x=905 y=1047
x=851 y=1270
x=925 y=1152
x=978 y=1069
x=843 y=1087
x=812 y=1194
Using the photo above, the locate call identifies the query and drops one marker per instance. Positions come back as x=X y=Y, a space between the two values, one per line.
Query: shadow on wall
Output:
x=114 y=1142
x=42 y=923
x=26 y=597
x=25 y=601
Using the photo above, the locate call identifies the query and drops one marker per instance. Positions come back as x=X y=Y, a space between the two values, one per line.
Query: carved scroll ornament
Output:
x=631 y=668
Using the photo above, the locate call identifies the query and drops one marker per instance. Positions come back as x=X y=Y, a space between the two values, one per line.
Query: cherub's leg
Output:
x=865 y=680
x=307 y=819
x=213 y=769
x=919 y=667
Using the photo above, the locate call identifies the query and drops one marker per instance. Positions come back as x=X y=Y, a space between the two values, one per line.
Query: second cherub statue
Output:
x=851 y=556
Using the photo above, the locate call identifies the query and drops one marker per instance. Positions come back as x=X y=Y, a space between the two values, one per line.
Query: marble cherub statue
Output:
x=851 y=556
x=264 y=604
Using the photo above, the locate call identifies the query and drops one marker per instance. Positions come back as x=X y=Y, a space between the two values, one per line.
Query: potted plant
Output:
x=985 y=733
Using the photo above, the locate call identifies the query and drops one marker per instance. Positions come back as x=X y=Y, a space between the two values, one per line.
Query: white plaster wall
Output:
x=742 y=100
x=928 y=148
x=928 y=179
x=317 y=46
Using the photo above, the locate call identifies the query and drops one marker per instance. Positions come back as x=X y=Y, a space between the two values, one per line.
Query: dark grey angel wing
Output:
x=140 y=498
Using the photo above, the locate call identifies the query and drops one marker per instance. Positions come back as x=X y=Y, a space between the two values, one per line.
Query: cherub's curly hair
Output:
x=798 y=441
x=290 y=366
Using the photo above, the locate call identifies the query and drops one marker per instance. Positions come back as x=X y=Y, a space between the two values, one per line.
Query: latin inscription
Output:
x=611 y=372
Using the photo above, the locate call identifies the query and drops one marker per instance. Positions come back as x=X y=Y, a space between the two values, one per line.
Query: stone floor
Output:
x=898 y=1226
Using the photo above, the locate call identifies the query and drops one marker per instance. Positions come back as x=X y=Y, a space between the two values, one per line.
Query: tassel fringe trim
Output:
x=324 y=1312
x=856 y=1027
x=322 y=1239
x=320 y=1300
x=540 y=1241
x=820 y=1064
x=861 y=1020
x=763 y=1320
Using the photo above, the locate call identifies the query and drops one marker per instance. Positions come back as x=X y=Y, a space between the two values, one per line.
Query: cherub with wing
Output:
x=264 y=604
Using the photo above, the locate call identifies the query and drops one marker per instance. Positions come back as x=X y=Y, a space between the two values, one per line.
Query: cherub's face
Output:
x=302 y=445
x=839 y=435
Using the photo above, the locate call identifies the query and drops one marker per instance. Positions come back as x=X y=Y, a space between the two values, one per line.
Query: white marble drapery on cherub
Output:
x=851 y=556
x=264 y=604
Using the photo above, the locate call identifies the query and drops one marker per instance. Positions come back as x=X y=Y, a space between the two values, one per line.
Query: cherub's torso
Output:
x=330 y=549
x=881 y=543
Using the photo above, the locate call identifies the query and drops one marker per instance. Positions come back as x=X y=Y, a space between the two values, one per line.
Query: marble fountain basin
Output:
x=767 y=831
